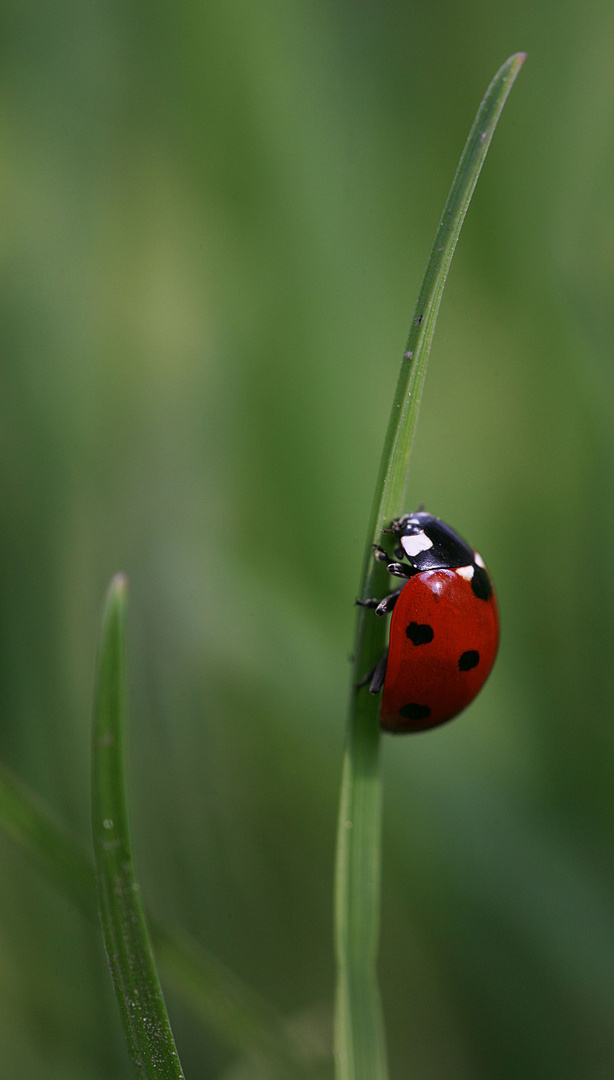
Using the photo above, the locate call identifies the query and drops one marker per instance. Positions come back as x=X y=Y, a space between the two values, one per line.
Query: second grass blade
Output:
x=148 y=1033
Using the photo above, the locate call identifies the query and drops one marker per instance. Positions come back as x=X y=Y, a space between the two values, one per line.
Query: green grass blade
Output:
x=359 y=1036
x=137 y=988
x=232 y=1011
x=360 y=1051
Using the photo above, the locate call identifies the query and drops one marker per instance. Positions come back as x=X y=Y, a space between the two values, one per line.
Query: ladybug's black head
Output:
x=429 y=544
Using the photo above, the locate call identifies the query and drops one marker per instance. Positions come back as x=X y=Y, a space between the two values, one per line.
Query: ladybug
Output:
x=444 y=631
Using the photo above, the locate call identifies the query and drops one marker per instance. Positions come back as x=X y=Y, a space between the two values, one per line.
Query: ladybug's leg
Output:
x=398 y=550
x=367 y=678
x=397 y=569
x=379 y=674
x=383 y=606
x=375 y=677
x=387 y=603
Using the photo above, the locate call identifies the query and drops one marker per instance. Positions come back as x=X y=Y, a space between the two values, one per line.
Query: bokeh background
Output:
x=215 y=217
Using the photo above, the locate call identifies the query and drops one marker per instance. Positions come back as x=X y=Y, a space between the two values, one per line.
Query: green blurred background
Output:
x=215 y=221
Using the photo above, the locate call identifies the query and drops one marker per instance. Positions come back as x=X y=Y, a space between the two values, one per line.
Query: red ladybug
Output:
x=444 y=631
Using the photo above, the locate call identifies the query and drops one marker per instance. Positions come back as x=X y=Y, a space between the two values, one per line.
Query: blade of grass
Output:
x=359 y=1035
x=233 y=1012
x=137 y=988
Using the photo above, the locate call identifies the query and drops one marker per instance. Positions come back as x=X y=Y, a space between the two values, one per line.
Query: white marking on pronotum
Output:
x=413 y=545
x=478 y=560
x=465 y=572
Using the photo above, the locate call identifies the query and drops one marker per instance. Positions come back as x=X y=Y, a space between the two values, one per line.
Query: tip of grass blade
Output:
x=118 y=585
x=114 y=606
x=512 y=66
x=516 y=61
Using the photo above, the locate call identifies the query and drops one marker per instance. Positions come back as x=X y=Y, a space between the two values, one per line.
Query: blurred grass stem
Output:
x=233 y=1012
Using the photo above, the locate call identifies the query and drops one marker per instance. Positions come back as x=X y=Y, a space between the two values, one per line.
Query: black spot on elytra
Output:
x=469 y=660
x=419 y=633
x=480 y=582
x=414 y=712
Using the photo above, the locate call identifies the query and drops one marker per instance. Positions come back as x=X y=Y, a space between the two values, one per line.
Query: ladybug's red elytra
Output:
x=444 y=631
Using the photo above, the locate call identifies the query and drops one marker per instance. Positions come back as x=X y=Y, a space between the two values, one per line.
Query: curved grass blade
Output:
x=359 y=1035
x=137 y=988
x=233 y=1012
